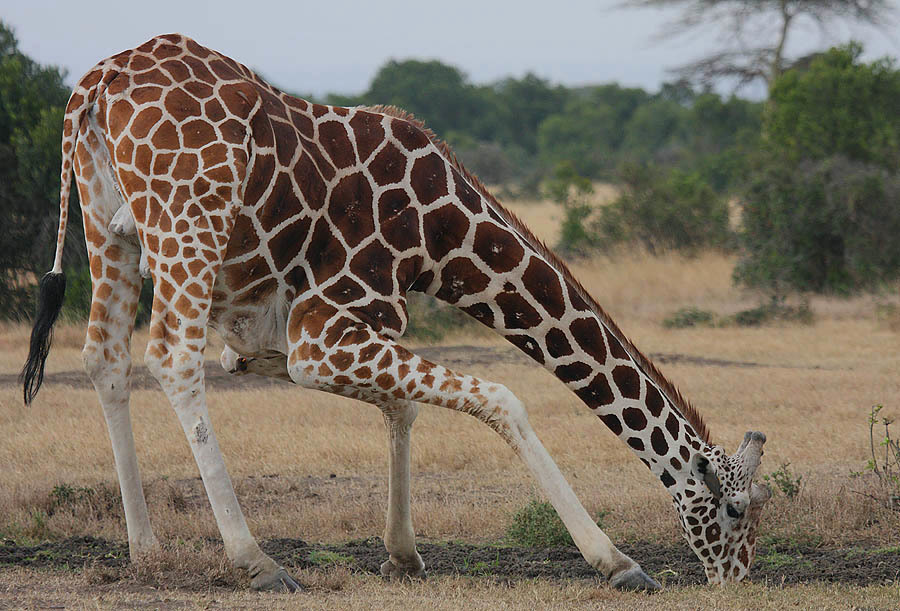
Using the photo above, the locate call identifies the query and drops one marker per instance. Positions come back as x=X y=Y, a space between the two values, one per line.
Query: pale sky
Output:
x=319 y=47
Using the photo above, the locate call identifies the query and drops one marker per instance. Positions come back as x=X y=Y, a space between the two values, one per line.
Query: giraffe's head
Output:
x=719 y=506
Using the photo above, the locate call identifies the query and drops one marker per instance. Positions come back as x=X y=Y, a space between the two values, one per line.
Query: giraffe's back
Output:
x=342 y=210
x=334 y=203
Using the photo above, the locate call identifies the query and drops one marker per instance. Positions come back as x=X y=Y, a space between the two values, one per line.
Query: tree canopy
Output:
x=822 y=211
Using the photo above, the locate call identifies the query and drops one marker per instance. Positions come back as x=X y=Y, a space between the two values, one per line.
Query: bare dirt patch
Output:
x=675 y=565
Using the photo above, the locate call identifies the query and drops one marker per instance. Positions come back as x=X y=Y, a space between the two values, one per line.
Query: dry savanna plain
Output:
x=310 y=469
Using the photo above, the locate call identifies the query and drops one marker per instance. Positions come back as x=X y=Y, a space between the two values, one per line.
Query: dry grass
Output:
x=21 y=588
x=810 y=394
x=544 y=217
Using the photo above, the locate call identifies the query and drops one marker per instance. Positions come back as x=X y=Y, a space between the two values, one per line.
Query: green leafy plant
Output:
x=64 y=495
x=663 y=211
x=773 y=311
x=481 y=567
x=569 y=189
x=538 y=525
x=884 y=463
x=327 y=558
x=689 y=317
x=784 y=480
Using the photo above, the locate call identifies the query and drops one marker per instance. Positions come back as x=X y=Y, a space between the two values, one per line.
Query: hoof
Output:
x=634 y=579
x=390 y=570
x=275 y=581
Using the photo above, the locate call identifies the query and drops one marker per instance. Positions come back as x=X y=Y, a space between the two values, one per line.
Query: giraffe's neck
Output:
x=535 y=303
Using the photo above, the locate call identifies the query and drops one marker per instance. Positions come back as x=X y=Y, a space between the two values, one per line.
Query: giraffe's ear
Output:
x=705 y=471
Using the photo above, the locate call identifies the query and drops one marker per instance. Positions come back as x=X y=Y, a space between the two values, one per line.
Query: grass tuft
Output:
x=538 y=525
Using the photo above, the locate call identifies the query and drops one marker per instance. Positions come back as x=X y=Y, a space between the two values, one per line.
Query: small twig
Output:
x=866 y=494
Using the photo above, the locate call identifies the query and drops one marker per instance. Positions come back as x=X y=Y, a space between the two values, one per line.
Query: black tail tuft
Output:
x=50 y=301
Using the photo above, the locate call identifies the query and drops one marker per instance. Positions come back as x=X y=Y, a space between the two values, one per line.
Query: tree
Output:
x=435 y=92
x=828 y=225
x=525 y=103
x=755 y=33
x=838 y=106
x=32 y=99
x=590 y=129
x=655 y=131
x=822 y=212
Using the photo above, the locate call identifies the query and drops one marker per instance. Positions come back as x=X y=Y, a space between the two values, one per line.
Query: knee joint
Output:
x=93 y=360
x=503 y=411
x=400 y=416
x=168 y=363
x=99 y=362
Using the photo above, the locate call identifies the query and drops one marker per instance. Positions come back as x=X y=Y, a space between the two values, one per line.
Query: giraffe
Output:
x=296 y=230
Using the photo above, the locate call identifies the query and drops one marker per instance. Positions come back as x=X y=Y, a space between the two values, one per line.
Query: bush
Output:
x=785 y=481
x=821 y=210
x=77 y=300
x=829 y=225
x=775 y=310
x=884 y=463
x=689 y=317
x=488 y=161
x=678 y=211
x=838 y=106
x=569 y=189
x=538 y=525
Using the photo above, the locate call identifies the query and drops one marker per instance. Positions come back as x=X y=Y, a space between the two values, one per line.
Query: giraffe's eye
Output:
x=732 y=512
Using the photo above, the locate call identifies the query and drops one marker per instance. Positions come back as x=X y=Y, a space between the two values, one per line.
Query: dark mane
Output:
x=674 y=395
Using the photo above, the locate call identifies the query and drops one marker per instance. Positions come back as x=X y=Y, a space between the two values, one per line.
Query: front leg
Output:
x=399 y=536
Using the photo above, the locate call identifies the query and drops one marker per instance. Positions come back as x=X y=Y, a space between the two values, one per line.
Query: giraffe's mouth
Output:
x=242 y=364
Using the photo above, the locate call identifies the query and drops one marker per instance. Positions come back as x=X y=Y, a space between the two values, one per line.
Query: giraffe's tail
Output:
x=53 y=284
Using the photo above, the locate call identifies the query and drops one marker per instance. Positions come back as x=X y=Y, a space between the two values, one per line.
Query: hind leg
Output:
x=107 y=349
x=174 y=356
x=399 y=536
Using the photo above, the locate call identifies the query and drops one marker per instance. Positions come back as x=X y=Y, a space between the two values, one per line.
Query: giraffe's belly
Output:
x=251 y=323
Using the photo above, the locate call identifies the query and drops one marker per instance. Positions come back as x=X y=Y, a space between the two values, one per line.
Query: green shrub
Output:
x=829 y=225
x=674 y=211
x=488 y=161
x=838 y=106
x=689 y=317
x=77 y=301
x=569 y=189
x=785 y=481
x=884 y=463
x=773 y=311
x=538 y=525
x=822 y=207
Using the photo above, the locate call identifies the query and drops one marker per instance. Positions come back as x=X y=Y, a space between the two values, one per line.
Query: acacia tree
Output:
x=754 y=33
